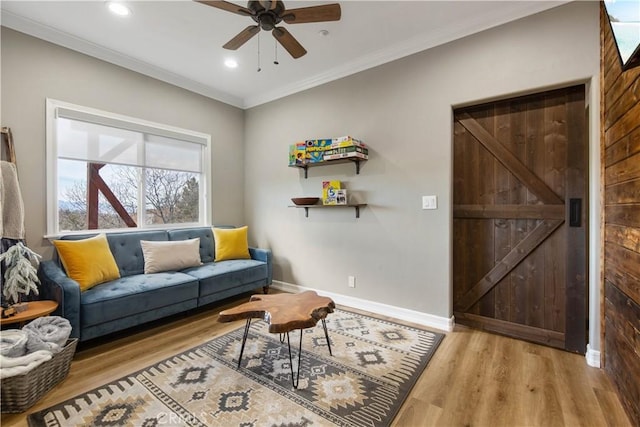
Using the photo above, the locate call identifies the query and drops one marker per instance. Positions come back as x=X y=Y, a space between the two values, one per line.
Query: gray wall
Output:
x=399 y=253
x=33 y=70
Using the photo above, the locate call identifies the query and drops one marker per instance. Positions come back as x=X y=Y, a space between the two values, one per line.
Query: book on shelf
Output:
x=315 y=149
x=341 y=197
x=297 y=154
x=346 y=141
x=329 y=188
x=349 y=155
x=350 y=149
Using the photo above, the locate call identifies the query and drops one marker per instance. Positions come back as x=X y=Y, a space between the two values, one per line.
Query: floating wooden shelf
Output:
x=306 y=166
x=351 y=205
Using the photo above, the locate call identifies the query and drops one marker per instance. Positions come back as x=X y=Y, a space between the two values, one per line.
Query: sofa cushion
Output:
x=135 y=294
x=127 y=251
x=88 y=261
x=170 y=256
x=205 y=234
x=218 y=276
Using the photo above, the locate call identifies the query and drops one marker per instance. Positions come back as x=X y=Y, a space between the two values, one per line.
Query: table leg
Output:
x=326 y=335
x=244 y=340
x=295 y=380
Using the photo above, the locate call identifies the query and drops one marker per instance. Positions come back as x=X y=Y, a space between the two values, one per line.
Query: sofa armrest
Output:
x=265 y=256
x=57 y=286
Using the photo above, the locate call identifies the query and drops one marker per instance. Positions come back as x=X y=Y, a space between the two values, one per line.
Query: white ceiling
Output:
x=180 y=41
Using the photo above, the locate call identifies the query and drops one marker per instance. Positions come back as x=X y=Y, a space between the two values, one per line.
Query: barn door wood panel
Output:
x=519 y=250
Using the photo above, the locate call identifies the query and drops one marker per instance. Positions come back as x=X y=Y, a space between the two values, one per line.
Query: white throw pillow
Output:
x=172 y=255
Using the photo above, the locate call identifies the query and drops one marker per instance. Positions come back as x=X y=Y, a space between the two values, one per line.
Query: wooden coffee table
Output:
x=283 y=313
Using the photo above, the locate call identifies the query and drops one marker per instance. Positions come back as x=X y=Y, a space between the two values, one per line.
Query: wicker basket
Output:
x=22 y=391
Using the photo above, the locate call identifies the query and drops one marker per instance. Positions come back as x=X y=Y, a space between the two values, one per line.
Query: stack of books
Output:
x=346 y=147
x=320 y=150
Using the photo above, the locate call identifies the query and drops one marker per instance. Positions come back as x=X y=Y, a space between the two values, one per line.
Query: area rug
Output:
x=375 y=364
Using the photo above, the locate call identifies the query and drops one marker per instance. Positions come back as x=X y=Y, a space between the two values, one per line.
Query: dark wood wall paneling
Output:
x=620 y=125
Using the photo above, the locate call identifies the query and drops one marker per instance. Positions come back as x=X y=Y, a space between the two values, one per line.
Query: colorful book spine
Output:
x=297 y=153
x=292 y=154
x=341 y=150
x=346 y=141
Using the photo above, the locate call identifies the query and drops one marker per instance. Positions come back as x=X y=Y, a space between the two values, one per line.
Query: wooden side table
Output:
x=36 y=309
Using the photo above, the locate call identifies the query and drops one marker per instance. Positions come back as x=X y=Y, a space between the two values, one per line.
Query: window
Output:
x=107 y=171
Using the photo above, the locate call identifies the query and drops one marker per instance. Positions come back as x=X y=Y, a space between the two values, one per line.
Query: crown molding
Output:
x=454 y=31
x=61 y=38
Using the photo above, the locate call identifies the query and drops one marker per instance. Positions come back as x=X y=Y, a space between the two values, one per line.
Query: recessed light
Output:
x=231 y=63
x=119 y=9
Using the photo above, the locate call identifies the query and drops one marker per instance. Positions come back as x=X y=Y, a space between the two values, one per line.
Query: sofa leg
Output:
x=265 y=289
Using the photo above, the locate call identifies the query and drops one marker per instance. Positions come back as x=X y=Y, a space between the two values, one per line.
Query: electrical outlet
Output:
x=429 y=202
x=352 y=281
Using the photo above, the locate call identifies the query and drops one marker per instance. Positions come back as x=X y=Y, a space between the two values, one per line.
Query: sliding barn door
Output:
x=520 y=224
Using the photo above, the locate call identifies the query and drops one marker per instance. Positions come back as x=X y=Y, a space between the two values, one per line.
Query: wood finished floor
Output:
x=474 y=379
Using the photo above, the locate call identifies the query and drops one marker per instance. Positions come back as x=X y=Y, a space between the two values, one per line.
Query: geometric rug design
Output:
x=375 y=364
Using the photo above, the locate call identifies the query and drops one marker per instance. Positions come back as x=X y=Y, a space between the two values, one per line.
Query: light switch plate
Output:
x=429 y=202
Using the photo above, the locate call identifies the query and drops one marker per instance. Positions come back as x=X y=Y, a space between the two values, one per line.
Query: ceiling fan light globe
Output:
x=118 y=8
x=267 y=21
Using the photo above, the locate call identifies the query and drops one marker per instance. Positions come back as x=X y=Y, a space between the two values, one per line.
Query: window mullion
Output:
x=142 y=185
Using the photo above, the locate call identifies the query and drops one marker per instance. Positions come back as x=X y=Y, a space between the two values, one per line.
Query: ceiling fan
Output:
x=269 y=13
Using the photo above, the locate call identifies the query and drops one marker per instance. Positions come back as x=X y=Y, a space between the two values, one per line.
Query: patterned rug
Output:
x=375 y=364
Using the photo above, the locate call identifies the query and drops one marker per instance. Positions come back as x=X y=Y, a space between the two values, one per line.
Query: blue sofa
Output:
x=136 y=297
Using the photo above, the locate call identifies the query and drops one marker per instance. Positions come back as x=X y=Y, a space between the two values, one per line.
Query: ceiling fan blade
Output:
x=327 y=12
x=288 y=42
x=229 y=7
x=242 y=37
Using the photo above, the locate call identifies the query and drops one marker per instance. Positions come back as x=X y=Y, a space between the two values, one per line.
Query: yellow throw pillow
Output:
x=89 y=261
x=231 y=243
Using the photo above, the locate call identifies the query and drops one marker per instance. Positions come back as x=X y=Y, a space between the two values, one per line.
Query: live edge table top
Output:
x=283 y=312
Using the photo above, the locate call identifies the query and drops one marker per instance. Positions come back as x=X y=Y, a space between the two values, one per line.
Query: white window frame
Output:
x=125 y=122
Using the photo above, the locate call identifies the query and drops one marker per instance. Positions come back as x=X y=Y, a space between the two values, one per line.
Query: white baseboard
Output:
x=429 y=320
x=592 y=356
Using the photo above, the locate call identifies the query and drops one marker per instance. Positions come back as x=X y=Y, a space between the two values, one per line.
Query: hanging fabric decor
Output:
x=12 y=229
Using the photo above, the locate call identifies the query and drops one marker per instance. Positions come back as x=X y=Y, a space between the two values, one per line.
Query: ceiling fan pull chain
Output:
x=259 y=69
x=275 y=44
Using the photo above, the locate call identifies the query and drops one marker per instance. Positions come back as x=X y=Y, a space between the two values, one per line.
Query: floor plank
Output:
x=474 y=379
